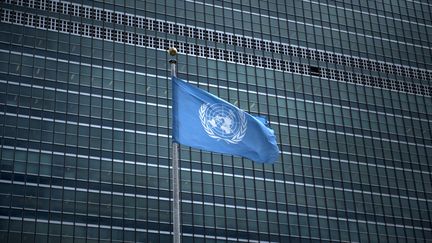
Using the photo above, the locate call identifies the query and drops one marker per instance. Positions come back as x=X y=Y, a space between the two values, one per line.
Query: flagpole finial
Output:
x=172 y=51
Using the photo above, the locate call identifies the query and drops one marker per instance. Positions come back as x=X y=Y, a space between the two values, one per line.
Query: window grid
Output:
x=221 y=37
x=329 y=186
x=65 y=26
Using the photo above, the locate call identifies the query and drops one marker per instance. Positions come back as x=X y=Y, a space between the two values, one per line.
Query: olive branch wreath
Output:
x=236 y=139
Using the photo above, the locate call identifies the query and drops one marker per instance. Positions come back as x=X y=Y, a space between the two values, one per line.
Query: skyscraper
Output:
x=86 y=116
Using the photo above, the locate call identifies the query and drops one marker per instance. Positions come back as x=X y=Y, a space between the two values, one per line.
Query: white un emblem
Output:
x=223 y=122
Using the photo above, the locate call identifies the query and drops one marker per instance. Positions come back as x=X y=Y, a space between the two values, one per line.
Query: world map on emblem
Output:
x=224 y=122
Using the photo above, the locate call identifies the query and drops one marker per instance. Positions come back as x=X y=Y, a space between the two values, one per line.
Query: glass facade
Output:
x=85 y=109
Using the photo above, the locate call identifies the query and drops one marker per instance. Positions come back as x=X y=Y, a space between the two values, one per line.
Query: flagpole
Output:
x=175 y=166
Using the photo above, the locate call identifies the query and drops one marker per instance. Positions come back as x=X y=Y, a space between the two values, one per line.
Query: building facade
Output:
x=85 y=109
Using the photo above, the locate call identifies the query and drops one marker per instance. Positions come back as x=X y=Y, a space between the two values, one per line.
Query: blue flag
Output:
x=204 y=121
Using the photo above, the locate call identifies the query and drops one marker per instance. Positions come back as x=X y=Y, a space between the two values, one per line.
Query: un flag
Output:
x=204 y=121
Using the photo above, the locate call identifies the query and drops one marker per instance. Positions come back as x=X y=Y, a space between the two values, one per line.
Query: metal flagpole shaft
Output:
x=176 y=193
x=175 y=168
